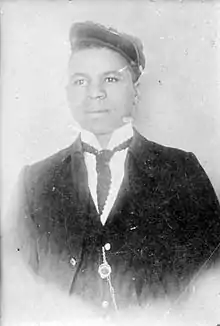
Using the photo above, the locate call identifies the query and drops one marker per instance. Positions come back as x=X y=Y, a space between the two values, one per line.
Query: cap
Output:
x=90 y=33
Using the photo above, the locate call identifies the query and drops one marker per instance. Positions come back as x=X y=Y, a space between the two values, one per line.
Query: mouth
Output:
x=98 y=112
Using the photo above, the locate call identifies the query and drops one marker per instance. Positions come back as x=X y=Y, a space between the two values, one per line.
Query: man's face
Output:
x=100 y=89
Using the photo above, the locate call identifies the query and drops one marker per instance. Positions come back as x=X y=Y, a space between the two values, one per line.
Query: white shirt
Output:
x=116 y=165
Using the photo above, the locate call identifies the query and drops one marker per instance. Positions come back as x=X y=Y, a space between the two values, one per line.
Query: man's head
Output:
x=104 y=68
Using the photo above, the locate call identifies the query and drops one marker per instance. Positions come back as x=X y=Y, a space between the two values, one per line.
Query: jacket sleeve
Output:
x=20 y=236
x=202 y=210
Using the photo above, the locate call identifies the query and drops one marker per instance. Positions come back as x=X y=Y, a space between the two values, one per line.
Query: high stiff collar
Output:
x=119 y=136
x=141 y=149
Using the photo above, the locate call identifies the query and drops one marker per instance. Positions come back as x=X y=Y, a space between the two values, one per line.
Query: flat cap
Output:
x=87 y=33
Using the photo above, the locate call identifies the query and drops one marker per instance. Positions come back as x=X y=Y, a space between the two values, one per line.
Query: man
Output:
x=115 y=218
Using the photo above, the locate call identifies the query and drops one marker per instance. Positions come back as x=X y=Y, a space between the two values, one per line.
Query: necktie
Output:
x=103 y=158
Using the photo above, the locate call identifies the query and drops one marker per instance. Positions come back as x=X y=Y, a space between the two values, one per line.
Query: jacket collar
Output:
x=120 y=135
x=143 y=151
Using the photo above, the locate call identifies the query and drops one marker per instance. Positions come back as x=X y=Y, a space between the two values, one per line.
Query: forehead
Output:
x=96 y=61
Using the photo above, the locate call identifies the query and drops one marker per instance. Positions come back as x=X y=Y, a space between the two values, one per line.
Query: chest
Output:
x=144 y=227
x=141 y=219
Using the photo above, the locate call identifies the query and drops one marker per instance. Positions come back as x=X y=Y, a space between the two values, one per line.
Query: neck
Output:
x=104 y=139
x=109 y=139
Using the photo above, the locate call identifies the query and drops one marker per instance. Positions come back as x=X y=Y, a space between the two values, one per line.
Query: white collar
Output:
x=119 y=136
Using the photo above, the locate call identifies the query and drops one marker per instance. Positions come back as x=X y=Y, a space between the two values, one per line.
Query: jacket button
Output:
x=72 y=261
x=104 y=270
x=105 y=304
x=107 y=246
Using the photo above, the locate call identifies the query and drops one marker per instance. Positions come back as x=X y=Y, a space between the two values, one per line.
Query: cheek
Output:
x=122 y=98
x=76 y=98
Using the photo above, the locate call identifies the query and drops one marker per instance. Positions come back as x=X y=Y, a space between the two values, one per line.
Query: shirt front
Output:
x=116 y=165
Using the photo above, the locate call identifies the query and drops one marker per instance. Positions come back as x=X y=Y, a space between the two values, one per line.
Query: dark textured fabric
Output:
x=163 y=227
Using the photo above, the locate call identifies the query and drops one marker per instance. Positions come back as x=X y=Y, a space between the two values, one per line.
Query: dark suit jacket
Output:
x=163 y=227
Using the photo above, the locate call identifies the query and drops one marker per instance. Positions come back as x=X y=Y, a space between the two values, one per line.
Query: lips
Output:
x=97 y=112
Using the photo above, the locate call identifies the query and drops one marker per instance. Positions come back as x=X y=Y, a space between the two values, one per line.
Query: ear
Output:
x=67 y=92
x=136 y=92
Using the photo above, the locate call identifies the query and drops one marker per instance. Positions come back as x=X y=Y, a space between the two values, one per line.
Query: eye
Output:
x=111 y=79
x=80 y=82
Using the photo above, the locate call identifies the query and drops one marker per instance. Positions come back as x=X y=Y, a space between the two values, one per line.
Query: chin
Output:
x=99 y=132
x=101 y=129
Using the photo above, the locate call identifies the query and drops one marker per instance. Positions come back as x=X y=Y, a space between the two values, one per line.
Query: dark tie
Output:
x=103 y=158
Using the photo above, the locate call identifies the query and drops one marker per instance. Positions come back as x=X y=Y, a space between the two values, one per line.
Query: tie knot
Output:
x=102 y=160
x=104 y=155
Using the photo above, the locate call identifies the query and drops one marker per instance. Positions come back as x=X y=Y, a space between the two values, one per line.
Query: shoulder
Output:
x=176 y=168
x=174 y=158
x=168 y=164
x=162 y=156
x=44 y=170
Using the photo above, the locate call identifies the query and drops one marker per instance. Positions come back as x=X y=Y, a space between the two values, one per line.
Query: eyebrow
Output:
x=75 y=74
x=118 y=71
x=114 y=71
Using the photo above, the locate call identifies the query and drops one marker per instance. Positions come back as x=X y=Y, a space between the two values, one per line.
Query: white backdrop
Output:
x=180 y=88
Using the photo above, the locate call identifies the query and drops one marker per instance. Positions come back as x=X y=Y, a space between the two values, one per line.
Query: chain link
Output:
x=111 y=288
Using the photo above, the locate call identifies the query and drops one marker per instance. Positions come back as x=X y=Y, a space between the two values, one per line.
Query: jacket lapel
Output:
x=135 y=170
x=70 y=178
x=73 y=205
x=79 y=173
x=79 y=178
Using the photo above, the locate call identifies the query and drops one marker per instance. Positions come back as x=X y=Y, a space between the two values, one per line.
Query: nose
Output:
x=96 y=92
